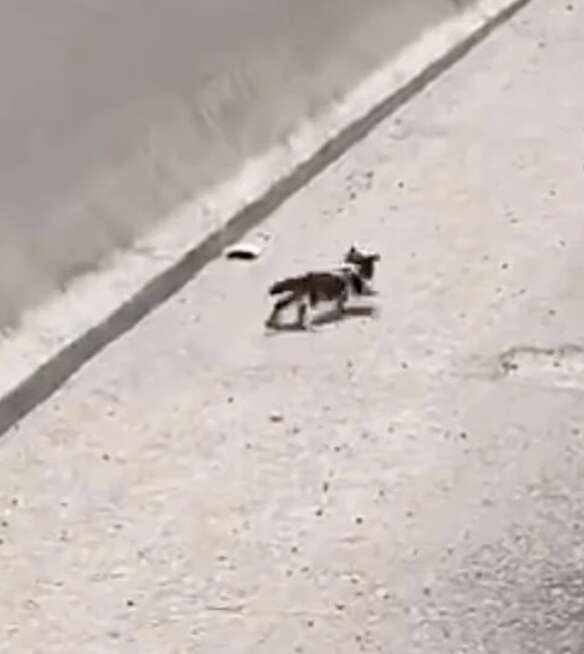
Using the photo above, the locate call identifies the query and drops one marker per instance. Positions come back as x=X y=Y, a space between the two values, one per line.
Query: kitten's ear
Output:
x=350 y=254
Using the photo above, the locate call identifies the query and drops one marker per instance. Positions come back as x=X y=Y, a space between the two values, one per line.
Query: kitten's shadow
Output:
x=325 y=318
x=350 y=312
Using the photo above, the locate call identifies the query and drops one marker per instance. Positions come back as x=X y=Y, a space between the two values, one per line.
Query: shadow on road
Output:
x=348 y=314
x=326 y=318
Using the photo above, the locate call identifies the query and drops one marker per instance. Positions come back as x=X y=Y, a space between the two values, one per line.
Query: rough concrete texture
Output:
x=56 y=337
x=116 y=113
x=408 y=481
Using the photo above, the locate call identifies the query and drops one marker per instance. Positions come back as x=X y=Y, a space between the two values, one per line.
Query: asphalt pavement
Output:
x=407 y=480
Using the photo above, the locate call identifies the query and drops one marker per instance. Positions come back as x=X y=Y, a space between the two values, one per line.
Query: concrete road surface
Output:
x=407 y=480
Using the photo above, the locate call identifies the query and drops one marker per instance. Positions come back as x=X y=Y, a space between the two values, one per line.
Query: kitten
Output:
x=322 y=286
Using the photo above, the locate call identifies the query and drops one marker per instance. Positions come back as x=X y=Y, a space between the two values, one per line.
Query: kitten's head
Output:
x=364 y=262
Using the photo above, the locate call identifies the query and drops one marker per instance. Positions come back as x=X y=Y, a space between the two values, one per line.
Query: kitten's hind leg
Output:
x=279 y=306
x=302 y=310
